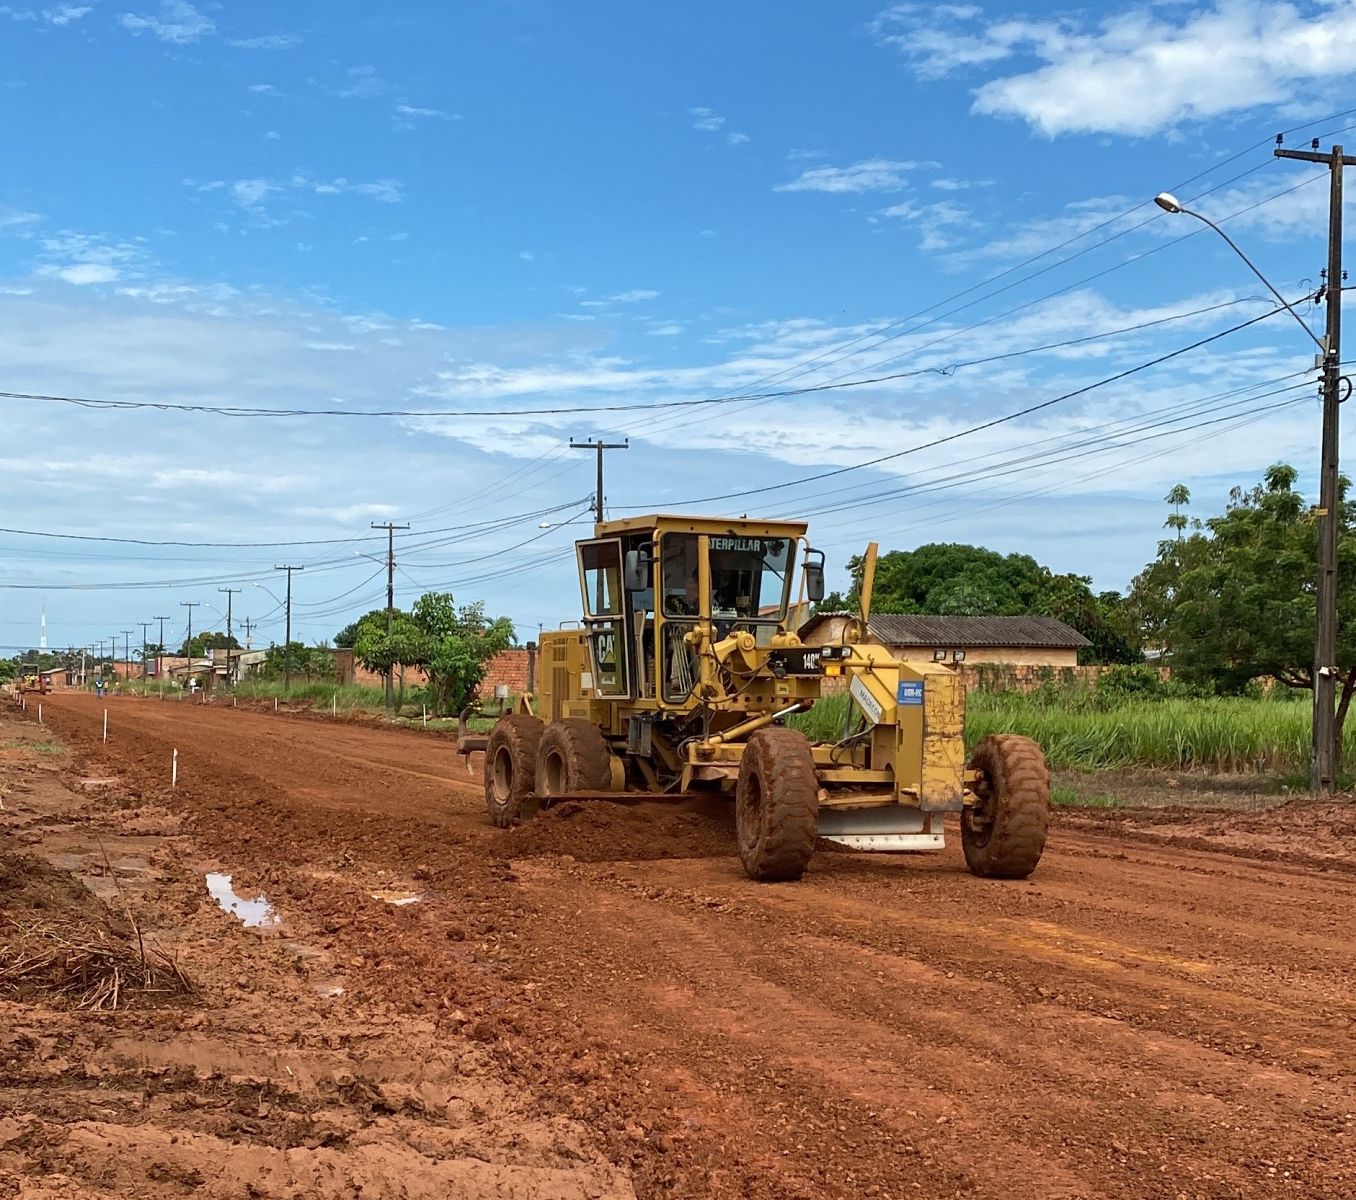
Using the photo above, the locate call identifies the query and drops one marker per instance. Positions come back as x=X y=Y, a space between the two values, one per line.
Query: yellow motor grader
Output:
x=686 y=666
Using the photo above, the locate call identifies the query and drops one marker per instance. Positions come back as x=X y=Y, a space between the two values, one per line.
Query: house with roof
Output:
x=1014 y=641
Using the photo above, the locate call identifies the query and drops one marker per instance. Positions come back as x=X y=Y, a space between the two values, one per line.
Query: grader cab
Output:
x=683 y=671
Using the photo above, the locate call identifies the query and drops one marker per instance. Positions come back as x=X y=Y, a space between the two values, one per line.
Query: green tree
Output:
x=347 y=637
x=204 y=643
x=298 y=659
x=1152 y=597
x=954 y=579
x=459 y=643
x=1244 y=600
x=451 y=645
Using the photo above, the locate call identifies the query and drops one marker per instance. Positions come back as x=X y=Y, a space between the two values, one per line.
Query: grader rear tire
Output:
x=511 y=768
x=573 y=757
x=776 y=805
x=1004 y=834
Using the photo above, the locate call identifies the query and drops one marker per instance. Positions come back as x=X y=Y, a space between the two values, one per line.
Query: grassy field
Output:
x=1227 y=735
x=319 y=694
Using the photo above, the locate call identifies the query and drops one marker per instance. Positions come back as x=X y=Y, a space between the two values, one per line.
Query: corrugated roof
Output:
x=1046 y=633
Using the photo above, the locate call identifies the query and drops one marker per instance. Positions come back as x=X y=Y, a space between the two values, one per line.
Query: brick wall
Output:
x=508 y=667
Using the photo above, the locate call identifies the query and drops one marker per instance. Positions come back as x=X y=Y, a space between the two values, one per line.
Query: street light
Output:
x=1170 y=204
x=1324 y=763
x=261 y=587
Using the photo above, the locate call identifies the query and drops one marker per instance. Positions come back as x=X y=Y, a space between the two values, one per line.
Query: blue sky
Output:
x=531 y=205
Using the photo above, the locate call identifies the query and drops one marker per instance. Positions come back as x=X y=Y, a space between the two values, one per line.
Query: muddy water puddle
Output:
x=253 y=912
x=398 y=898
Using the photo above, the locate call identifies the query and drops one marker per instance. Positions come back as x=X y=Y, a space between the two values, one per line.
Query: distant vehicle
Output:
x=41 y=684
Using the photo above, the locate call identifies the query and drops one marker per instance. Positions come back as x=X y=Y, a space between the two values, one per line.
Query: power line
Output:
x=1109 y=379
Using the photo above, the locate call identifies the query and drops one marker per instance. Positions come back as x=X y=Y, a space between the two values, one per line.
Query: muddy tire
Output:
x=511 y=769
x=1004 y=834
x=776 y=805
x=573 y=757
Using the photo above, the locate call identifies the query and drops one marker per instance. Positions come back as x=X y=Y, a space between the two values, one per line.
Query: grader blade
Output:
x=882 y=829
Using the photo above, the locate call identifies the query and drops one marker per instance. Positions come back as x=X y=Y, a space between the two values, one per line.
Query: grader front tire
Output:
x=1004 y=834
x=776 y=805
x=510 y=769
x=573 y=757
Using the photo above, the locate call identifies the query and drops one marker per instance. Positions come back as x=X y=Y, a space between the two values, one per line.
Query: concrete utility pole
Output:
x=145 y=625
x=1324 y=770
x=188 y=641
x=248 y=626
x=229 y=593
x=160 y=657
x=287 y=638
x=127 y=653
x=113 y=657
x=598 y=447
x=390 y=598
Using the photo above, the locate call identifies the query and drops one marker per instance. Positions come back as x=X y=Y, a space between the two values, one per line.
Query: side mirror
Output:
x=636 y=569
x=814 y=575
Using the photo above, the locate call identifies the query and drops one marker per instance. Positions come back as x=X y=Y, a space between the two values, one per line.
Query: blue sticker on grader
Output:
x=911 y=691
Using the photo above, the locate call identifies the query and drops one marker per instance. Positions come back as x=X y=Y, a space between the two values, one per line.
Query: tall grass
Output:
x=1230 y=735
x=320 y=693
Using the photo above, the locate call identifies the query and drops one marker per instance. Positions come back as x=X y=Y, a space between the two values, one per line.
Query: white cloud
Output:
x=17 y=223
x=435 y=114
x=665 y=329
x=263 y=89
x=178 y=23
x=254 y=196
x=635 y=296
x=935 y=222
x=869 y=175
x=1134 y=72
x=85 y=273
x=267 y=41
x=250 y=193
x=706 y=119
x=62 y=14
x=363 y=84
x=528 y=255
x=959 y=185
x=709 y=121
x=83 y=259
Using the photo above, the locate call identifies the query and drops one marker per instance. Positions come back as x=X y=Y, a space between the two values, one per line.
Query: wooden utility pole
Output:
x=287 y=637
x=390 y=598
x=1324 y=769
x=145 y=625
x=599 y=447
x=188 y=640
x=229 y=593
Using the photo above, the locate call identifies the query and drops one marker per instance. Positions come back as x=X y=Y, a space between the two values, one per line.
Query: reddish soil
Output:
x=1166 y=1009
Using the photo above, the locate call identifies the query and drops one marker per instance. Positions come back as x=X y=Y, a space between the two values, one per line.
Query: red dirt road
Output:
x=1138 y=1020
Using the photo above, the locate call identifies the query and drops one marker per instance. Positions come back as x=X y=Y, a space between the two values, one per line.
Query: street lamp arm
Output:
x=1170 y=204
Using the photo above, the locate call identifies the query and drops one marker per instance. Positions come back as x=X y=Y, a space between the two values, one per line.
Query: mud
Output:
x=1144 y=1018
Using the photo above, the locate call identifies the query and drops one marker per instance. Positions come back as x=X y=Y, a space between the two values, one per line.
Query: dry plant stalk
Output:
x=89 y=968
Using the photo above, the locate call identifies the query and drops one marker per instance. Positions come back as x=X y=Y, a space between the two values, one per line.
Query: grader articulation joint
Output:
x=682 y=671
